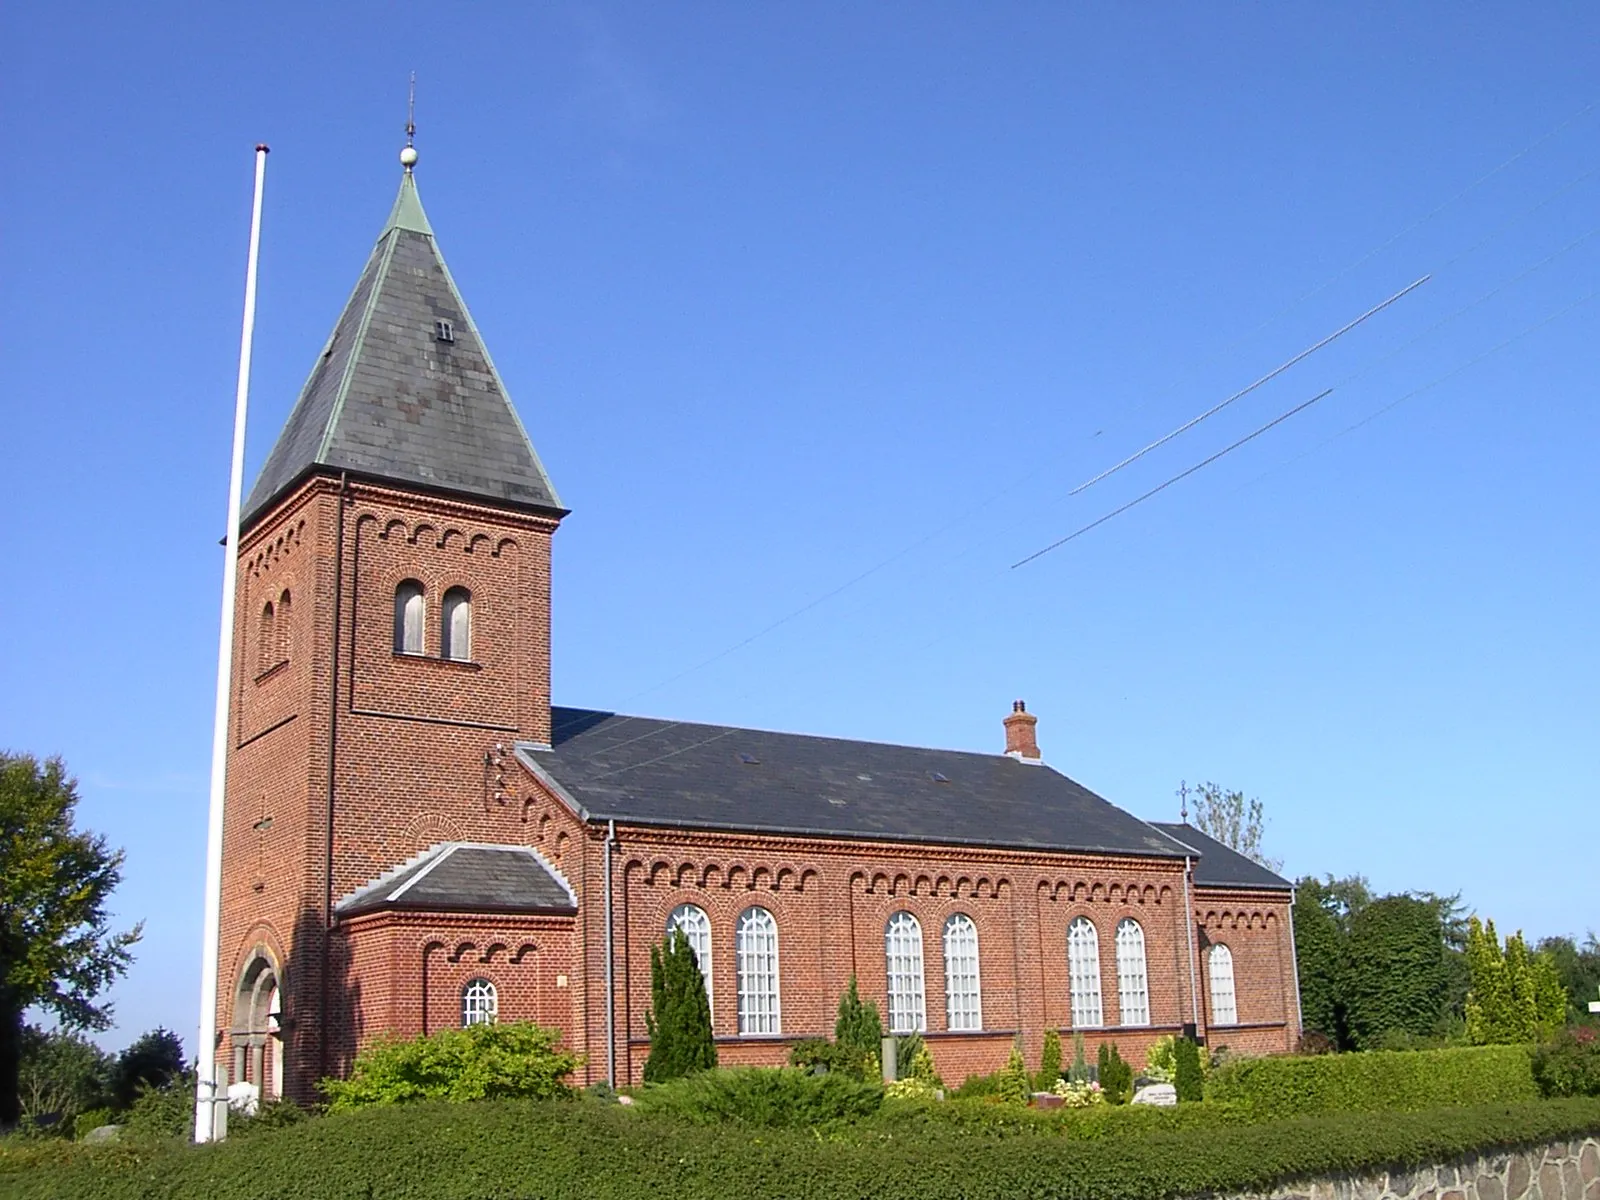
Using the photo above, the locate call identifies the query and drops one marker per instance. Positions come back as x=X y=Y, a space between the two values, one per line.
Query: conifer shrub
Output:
x=679 y=1017
x=1079 y=1072
x=1049 y=1062
x=480 y=1062
x=1188 y=1077
x=1116 y=1076
x=858 y=1030
x=1377 y=1081
x=1012 y=1083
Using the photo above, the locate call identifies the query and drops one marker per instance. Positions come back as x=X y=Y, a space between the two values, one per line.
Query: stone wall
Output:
x=1559 y=1171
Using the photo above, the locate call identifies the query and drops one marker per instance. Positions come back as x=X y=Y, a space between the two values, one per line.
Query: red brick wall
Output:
x=423 y=754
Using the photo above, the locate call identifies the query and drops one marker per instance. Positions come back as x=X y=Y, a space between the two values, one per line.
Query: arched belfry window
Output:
x=283 y=642
x=1224 y=1002
x=266 y=639
x=696 y=926
x=480 y=1003
x=410 y=618
x=902 y=945
x=1133 y=986
x=455 y=639
x=1083 y=969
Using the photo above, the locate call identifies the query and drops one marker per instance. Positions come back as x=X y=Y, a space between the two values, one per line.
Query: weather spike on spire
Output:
x=408 y=156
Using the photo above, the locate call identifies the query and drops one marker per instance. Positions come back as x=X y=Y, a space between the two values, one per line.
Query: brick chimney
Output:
x=1020 y=740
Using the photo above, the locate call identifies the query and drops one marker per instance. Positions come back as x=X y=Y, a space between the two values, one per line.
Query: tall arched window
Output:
x=266 y=640
x=480 y=1003
x=1224 y=1005
x=455 y=640
x=410 y=617
x=696 y=926
x=756 y=951
x=902 y=947
x=285 y=628
x=963 y=997
x=1133 y=989
x=1083 y=969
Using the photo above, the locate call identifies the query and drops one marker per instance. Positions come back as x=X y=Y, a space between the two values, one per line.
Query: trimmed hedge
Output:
x=782 y=1097
x=1377 y=1081
x=502 y=1150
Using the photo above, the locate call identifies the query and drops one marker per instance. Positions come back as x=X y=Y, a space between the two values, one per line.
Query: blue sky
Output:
x=788 y=293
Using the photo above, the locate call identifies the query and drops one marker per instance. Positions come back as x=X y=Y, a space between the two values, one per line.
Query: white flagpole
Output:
x=205 y=1098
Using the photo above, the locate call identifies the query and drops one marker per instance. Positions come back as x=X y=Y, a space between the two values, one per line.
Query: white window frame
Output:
x=963 y=990
x=480 y=1003
x=902 y=952
x=1083 y=970
x=410 y=618
x=1224 y=997
x=455 y=626
x=696 y=926
x=756 y=960
x=1133 y=978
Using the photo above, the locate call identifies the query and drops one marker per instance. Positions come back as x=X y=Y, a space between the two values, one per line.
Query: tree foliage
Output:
x=1516 y=996
x=61 y=1074
x=1049 y=1062
x=57 y=951
x=1397 y=980
x=1234 y=821
x=480 y=1062
x=1578 y=968
x=153 y=1060
x=679 y=1019
x=858 y=1031
x=1116 y=1076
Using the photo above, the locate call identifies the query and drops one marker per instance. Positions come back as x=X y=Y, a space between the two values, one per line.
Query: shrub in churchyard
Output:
x=679 y=1019
x=1188 y=1076
x=1116 y=1076
x=1049 y=1062
x=481 y=1062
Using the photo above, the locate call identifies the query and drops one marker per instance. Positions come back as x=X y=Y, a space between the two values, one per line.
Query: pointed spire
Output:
x=405 y=390
x=407 y=212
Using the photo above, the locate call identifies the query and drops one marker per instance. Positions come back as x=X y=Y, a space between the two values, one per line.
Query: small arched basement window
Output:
x=480 y=1003
x=455 y=639
x=902 y=947
x=410 y=616
x=1224 y=1004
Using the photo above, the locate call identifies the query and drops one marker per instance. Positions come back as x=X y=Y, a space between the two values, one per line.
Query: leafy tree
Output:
x=61 y=1074
x=679 y=1019
x=1397 y=979
x=57 y=952
x=152 y=1061
x=1049 y=1062
x=1578 y=968
x=859 y=1029
x=481 y=1062
x=1234 y=821
x=1321 y=944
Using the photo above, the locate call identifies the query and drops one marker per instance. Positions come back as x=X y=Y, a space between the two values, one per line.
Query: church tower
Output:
x=392 y=641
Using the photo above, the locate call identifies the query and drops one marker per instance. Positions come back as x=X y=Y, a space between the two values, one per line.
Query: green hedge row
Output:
x=505 y=1150
x=1377 y=1081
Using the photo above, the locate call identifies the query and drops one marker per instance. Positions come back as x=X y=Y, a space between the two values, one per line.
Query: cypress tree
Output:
x=1049 y=1062
x=1188 y=1079
x=679 y=1020
x=859 y=1030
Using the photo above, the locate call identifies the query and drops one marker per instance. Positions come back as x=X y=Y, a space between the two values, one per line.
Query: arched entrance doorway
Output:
x=257 y=1032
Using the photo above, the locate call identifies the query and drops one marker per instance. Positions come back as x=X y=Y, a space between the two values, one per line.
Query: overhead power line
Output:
x=1245 y=391
x=1278 y=420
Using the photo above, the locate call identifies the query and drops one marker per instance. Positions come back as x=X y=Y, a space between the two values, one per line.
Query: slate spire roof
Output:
x=405 y=390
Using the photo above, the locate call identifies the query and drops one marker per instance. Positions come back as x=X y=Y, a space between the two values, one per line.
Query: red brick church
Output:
x=416 y=838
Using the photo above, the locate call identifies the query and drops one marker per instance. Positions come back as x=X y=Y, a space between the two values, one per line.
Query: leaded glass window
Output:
x=1083 y=968
x=756 y=950
x=1133 y=986
x=903 y=953
x=963 y=996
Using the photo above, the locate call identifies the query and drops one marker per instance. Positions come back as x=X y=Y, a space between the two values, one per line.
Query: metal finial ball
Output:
x=408 y=157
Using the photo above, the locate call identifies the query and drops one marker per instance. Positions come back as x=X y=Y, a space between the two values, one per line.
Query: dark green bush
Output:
x=482 y=1062
x=1569 y=1065
x=160 y=1113
x=1049 y=1062
x=1116 y=1076
x=679 y=1017
x=1187 y=1077
x=499 y=1150
x=274 y=1114
x=1377 y=1080
x=769 y=1096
